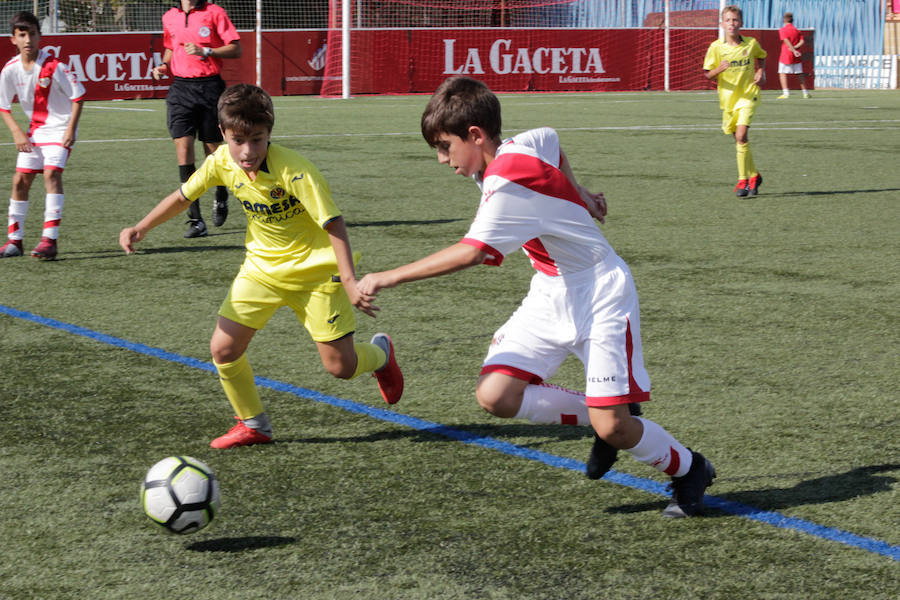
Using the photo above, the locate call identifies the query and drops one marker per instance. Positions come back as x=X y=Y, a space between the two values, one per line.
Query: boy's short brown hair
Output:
x=457 y=104
x=731 y=8
x=24 y=20
x=243 y=107
x=788 y=17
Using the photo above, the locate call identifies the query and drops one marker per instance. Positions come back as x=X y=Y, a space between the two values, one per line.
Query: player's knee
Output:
x=616 y=430
x=339 y=367
x=223 y=352
x=22 y=182
x=497 y=403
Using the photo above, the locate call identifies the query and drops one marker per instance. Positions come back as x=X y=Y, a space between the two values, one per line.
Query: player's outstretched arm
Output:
x=340 y=241
x=170 y=206
x=452 y=258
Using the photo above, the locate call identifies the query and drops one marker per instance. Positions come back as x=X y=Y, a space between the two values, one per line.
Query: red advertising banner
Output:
x=395 y=61
x=416 y=61
x=117 y=65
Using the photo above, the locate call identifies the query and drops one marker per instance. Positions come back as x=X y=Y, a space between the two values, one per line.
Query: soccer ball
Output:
x=181 y=494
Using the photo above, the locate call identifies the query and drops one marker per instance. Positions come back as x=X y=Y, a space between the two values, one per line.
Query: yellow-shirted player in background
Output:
x=738 y=64
x=298 y=255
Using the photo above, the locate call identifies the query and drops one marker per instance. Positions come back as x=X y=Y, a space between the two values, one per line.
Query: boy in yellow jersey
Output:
x=298 y=255
x=738 y=63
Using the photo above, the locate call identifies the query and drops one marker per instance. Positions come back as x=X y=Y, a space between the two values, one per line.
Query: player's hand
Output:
x=159 y=71
x=23 y=144
x=596 y=203
x=129 y=237
x=362 y=302
x=192 y=48
x=796 y=52
x=371 y=284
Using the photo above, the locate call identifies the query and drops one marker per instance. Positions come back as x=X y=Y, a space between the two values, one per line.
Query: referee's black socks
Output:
x=184 y=173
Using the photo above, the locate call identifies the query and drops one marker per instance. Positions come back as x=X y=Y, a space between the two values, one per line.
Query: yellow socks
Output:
x=369 y=357
x=745 y=164
x=237 y=381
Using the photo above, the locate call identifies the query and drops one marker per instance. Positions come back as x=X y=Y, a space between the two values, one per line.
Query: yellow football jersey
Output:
x=287 y=207
x=736 y=87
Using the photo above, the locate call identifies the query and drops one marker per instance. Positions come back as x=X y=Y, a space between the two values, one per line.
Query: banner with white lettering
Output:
x=400 y=61
x=396 y=61
x=117 y=65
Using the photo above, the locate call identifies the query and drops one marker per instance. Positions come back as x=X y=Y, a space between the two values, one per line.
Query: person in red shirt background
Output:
x=789 y=59
x=197 y=35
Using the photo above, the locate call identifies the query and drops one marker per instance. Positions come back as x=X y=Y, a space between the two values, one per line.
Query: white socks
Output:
x=661 y=451
x=547 y=403
x=18 y=210
x=52 y=215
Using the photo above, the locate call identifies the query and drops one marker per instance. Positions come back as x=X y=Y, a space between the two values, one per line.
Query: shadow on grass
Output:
x=862 y=481
x=178 y=249
x=394 y=223
x=832 y=192
x=541 y=433
x=119 y=253
x=239 y=544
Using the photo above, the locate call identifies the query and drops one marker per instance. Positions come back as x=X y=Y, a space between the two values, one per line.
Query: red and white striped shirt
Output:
x=46 y=94
x=528 y=202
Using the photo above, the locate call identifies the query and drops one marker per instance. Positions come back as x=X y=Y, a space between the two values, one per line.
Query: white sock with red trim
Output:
x=661 y=451
x=52 y=215
x=18 y=210
x=547 y=403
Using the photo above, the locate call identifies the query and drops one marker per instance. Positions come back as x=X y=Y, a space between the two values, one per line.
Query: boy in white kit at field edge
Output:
x=52 y=98
x=582 y=299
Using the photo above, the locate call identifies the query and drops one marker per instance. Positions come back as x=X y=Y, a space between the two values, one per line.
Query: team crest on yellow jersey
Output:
x=277 y=193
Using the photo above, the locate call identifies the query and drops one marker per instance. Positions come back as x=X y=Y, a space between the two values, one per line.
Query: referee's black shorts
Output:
x=191 y=107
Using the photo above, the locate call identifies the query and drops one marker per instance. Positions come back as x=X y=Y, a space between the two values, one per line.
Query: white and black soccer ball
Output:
x=181 y=494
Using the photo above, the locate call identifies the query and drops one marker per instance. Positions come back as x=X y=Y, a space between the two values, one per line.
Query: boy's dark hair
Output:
x=457 y=104
x=24 y=20
x=243 y=107
x=788 y=17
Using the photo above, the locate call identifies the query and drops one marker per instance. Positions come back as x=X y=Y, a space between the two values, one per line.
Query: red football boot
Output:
x=390 y=378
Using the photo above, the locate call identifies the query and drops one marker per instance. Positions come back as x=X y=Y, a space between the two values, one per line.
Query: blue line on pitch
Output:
x=647 y=485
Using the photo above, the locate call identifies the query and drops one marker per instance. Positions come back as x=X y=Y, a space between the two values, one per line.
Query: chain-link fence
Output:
x=145 y=15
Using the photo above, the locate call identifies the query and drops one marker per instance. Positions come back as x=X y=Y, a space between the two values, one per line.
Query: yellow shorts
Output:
x=740 y=116
x=326 y=315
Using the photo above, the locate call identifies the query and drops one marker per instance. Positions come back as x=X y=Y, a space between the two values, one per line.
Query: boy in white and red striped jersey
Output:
x=582 y=299
x=52 y=98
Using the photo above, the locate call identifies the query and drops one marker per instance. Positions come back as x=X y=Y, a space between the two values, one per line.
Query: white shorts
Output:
x=796 y=68
x=49 y=156
x=593 y=315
